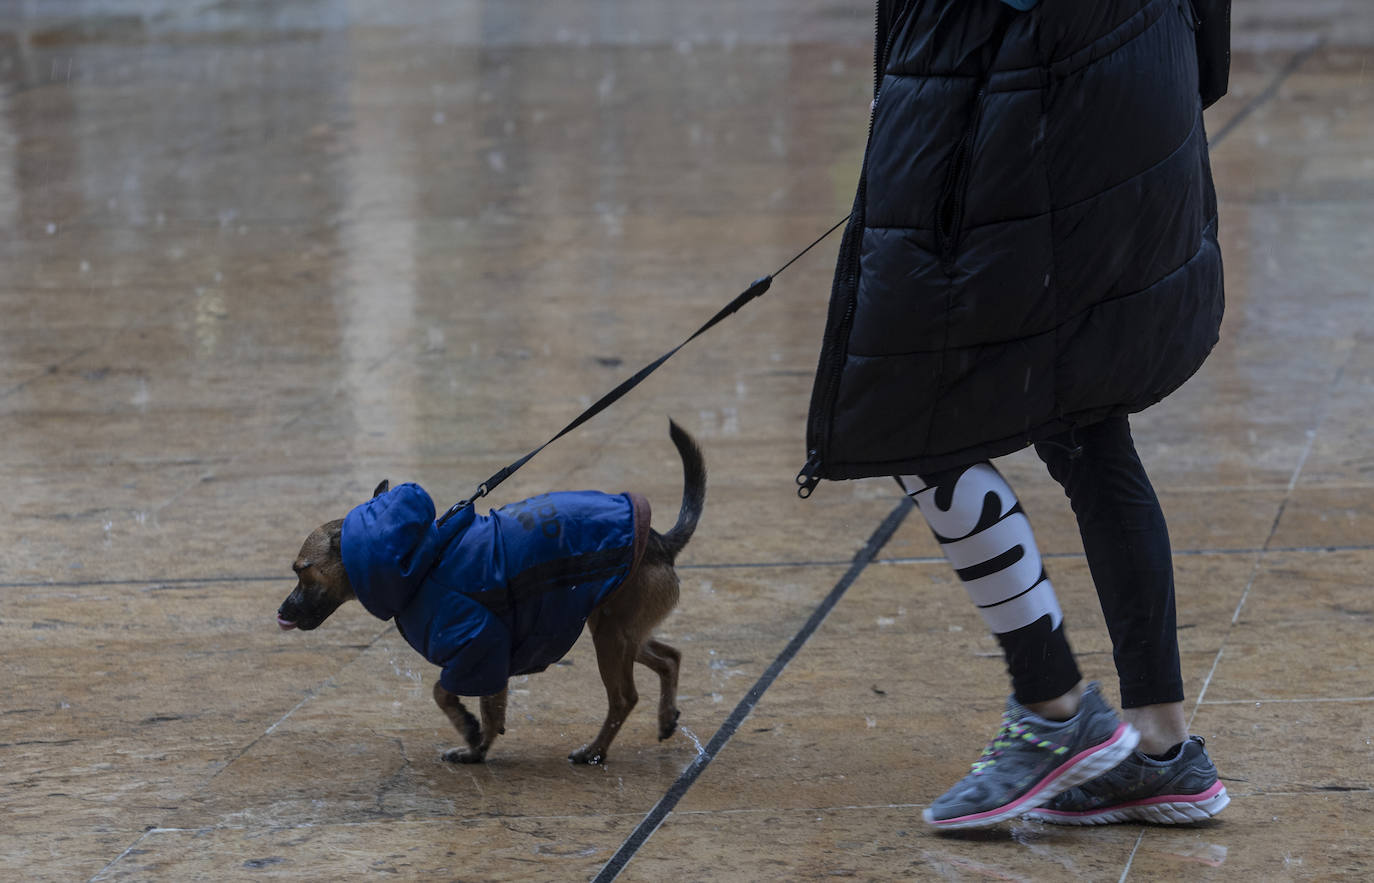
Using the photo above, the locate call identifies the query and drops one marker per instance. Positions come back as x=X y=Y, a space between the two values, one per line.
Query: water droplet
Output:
x=695 y=741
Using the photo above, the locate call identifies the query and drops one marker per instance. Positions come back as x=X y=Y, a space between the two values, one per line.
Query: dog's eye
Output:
x=300 y=566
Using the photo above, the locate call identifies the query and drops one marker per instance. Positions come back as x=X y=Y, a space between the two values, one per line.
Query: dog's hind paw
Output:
x=666 y=728
x=586 y=754
x=464 y=755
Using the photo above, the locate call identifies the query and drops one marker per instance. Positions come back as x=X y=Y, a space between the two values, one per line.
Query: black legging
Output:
x=1126 y=542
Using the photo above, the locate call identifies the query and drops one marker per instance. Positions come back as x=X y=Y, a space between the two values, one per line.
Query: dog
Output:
x=489 y=597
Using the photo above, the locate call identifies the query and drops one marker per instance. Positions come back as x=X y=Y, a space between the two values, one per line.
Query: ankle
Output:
x=1168 y=755
x=1159 y=748
x=1162 y=726
x=1060 y=708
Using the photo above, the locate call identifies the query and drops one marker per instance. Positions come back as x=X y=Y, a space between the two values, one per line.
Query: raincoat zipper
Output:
x=807 y=478
x=952 y=196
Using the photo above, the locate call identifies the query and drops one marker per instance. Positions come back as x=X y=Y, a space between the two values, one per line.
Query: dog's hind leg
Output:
x=615 y=657
x=493 y=719
x=664 y=661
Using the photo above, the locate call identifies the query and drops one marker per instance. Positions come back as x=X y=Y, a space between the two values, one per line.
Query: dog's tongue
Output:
x=286 y=624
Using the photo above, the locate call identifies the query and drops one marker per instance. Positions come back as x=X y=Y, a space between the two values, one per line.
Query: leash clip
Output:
x=463 y=504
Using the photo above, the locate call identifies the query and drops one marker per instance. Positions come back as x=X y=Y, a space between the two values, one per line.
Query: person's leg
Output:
x=987 y=539
x=1162 y=726
x=1057 y=732
x=1169 y=779
x=1126 y=542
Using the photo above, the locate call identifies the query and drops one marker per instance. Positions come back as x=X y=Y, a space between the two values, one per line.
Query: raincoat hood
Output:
x=391 y=543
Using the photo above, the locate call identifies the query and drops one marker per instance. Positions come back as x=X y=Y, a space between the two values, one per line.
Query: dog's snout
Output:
x=289 y=613
x=305 y=608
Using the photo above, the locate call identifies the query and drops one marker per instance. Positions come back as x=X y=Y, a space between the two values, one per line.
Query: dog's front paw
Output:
x=464 y=755
x=668 y=725
x=587 y=754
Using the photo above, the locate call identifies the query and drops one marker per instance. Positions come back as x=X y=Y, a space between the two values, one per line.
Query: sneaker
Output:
x=1176 y=791
x=1031 y=760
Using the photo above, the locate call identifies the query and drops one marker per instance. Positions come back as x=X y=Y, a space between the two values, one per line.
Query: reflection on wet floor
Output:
x=255 y=257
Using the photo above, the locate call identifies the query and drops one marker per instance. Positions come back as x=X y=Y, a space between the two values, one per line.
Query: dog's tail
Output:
x=693 y=491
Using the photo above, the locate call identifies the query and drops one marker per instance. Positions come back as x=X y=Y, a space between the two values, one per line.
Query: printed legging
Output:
x=987 y=538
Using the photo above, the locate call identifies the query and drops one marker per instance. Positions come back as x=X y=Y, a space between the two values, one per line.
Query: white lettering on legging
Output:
x=1010 y=598
x=966 y=503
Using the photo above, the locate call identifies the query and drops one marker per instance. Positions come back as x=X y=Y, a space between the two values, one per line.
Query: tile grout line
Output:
x=1274 y=528
x=1305 y=699
x=1292 y=483
x=448 y=820
x=1259 y=557
x=217 y=465
x=156 y=583
x=656 y=816
x=1231 y=125
x=51 y=369
x=311 y=694
x=117 y=859
x=1126 y=871
x=1298 y=60
x=1206 y=682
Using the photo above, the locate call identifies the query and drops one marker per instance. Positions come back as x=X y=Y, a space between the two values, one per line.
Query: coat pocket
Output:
x=949 y=208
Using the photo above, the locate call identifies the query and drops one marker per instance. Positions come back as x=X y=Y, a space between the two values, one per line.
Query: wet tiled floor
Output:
x=255 y=257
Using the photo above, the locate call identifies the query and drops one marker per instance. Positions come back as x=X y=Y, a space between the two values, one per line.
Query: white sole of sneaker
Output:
x=1168 y=809
x=1087 y=764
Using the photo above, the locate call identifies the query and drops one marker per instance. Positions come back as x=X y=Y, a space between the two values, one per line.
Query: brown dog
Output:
x=622 y=613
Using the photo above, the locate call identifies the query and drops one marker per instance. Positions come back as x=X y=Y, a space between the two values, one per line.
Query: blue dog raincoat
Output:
x=491 y=596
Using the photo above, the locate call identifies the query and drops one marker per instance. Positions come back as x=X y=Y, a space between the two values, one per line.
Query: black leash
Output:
x=755 y=289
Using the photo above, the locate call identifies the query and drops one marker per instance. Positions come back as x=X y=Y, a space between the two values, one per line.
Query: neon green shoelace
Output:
x=1007 y=737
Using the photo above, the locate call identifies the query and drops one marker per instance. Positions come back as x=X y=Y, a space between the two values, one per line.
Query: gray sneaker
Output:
x=1031 y=759
x=1177 y=791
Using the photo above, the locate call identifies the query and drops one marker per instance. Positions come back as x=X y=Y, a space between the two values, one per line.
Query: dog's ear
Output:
x=336 y=541
x=381 y=488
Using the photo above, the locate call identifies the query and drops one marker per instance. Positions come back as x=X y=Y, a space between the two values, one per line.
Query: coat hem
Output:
x=989 y=450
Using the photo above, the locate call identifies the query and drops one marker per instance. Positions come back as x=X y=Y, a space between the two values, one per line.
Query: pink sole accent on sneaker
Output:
x=1123 y=739
x=1211 y=792
x=1177 y=801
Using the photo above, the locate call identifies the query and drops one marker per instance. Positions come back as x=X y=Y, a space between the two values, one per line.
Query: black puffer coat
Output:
x=1033 y=245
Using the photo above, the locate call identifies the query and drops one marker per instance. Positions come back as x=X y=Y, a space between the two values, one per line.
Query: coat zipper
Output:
x=818 y=432
x=807 y=478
